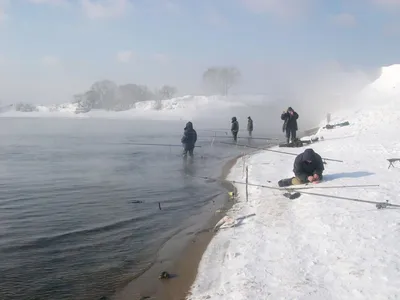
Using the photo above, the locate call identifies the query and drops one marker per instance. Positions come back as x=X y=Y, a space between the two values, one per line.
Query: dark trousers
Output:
x=234 y=134
x=188 y=150
x=294 y=181
x=250 y=132
x=290 y=133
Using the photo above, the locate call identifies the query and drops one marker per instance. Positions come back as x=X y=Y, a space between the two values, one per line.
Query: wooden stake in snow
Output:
x=328 y=118
x=247 y=183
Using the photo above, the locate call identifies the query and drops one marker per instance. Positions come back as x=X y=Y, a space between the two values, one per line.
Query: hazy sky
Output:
x=54 y=48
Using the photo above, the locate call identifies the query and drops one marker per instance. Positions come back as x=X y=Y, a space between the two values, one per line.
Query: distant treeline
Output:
x=108 y=95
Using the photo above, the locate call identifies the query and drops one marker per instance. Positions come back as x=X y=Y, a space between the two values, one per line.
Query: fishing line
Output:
x=241 y=137
x=276 y=151
x=379 y=205
x=291 y=188
x=161 y=145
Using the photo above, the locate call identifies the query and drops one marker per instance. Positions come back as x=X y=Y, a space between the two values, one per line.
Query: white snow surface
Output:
x=389 y=81
x=315 y=247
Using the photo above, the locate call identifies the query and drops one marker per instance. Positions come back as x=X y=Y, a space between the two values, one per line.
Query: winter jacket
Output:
x=302 y=169
x=235 y=125
x=290 y=120
x=250 y=125
x=189 y=138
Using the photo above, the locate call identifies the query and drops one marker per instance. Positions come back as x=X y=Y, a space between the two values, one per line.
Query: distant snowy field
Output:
x=175 y=108
x=317 y=247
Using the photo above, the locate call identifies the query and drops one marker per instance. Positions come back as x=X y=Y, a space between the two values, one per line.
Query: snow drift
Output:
x=389 y=81
x=316 y=247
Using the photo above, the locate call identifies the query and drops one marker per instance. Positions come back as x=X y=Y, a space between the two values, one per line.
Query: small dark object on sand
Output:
x=137 y=201
x=144 y=297
x=164 y=275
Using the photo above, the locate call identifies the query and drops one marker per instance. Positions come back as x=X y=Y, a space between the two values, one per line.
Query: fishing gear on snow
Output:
x=379 y=205
x=303 y=187
x=391 y=161
x=292 y=192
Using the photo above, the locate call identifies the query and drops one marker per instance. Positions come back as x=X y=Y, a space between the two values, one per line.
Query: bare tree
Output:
x=25 y=107
x=167 y=91
x=108 y=95
x=103 y=93
x=221 y=79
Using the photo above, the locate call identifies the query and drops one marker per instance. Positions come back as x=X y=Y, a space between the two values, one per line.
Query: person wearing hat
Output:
x=189 y=139
x=235 y=128
x=308 y=167
x=290 y=124
x=250 y=126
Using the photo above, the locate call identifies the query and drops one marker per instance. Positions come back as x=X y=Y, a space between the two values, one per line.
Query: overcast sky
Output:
x=51 y=49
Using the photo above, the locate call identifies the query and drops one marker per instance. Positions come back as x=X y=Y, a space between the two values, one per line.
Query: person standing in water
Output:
x=250 y=126
x=189 y=139
x=290 y=124
x=235 y=128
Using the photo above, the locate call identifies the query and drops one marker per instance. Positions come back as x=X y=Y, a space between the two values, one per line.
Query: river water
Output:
x=80 y=202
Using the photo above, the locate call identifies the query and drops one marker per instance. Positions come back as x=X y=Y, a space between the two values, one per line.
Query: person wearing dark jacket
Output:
x=290 y=124
x=250 y=126
x=189 y=139
x=235 y=128
x=308 y=167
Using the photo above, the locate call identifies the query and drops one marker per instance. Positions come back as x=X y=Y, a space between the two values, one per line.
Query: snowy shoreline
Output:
x=315 y=247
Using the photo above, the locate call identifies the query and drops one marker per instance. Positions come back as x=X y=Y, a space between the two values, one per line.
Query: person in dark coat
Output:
x=290 y=124
x=250 y=126
x=235 y=128
x=308 y=167
x=189 y=139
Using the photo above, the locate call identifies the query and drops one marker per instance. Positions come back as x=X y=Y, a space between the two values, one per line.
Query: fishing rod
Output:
x=215 y=130
x=242 y=137
x=162 y=145
x=276 y=151
x=292 y=188
x=379 y=205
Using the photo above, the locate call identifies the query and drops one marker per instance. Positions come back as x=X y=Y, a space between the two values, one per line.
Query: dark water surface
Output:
x=70 y=224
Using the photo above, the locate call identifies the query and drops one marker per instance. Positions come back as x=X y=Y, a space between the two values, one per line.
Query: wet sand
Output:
x=184 y=264
x=187 y=266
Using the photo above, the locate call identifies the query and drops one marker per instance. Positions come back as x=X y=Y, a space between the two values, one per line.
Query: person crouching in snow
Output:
x=308 y=167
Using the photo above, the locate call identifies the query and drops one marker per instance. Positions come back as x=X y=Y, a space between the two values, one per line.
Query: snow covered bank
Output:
x=315 y=247
x=174 y=108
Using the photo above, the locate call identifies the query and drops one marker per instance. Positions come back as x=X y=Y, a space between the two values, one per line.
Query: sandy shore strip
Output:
x=184 y=265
